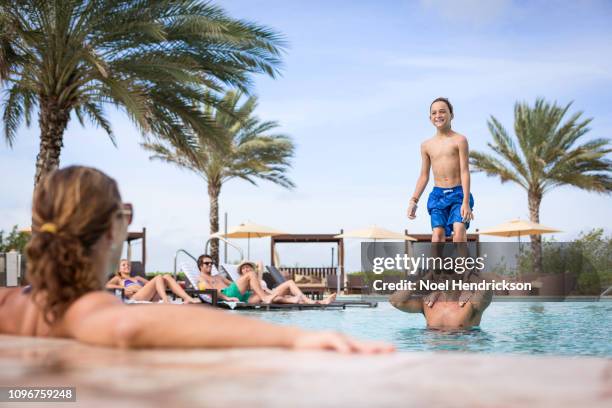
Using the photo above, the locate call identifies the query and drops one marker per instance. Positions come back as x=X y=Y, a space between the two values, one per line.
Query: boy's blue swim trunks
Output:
x=444 y=207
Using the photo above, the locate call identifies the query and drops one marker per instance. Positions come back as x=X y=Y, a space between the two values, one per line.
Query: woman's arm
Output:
x=100 y=319
x=114 y=283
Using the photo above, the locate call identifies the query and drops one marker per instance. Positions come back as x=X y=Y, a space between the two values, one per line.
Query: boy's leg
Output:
x=459 y=232
x=456 y=221
x=438 y=234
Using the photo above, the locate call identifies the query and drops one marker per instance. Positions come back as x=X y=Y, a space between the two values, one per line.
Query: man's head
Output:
x=441 y=113
x=205 y=263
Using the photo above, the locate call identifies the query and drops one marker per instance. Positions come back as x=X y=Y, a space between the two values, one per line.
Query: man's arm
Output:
x=464 y=168
x=421 y=182
x=481 y=300
x=407 y=301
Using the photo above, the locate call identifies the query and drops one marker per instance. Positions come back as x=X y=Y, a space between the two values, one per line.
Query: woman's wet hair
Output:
x=72 y=209
x=446 y=101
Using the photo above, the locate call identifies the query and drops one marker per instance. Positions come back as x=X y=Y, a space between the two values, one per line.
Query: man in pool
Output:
x=446 y=153
x=448 y=309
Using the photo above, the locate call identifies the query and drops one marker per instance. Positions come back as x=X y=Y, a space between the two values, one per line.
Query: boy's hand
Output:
x=466 y=213
x=412 y=207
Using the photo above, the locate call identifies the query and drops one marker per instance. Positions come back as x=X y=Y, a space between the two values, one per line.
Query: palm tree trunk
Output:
x=53 y=120
x=214 y=189
x=535 y=199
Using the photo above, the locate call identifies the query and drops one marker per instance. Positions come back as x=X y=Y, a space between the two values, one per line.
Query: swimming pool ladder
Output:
x=178 y=252
x=236 y=247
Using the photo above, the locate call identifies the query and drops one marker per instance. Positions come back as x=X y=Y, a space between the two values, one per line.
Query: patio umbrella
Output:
x=374 y=232
x=248 y=230
x=518 y=227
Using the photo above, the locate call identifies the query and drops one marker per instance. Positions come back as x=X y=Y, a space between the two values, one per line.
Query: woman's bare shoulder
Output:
x=12 y=306
x=4 y=294
x=90 y=302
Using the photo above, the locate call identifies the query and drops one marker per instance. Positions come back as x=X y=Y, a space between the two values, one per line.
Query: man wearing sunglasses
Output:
x=241 y=291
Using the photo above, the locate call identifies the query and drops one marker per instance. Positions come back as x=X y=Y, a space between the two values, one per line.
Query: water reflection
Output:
x=443 y=340
x=528 y=328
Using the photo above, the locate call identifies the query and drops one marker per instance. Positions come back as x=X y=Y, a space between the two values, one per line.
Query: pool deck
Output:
x=277 y=378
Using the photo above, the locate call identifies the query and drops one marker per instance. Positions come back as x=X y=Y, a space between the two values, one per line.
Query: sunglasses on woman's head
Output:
x=207 y=263
x=127 y=210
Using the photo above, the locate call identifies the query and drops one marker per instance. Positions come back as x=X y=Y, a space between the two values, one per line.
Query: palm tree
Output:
x=150 y=58
x=548 y=156
x=247 y=150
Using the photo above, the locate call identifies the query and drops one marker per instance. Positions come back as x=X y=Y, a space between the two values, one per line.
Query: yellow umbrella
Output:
x=518 y=227
x=248 y=230
x=374 y=232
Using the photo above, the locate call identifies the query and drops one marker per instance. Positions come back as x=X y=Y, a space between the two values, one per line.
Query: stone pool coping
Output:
x=277 y=378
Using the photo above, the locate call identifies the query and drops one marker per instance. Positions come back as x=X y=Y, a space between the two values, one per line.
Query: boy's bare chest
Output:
x=443 y=150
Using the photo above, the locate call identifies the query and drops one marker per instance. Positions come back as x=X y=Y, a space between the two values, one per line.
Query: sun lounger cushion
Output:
x=307 y=279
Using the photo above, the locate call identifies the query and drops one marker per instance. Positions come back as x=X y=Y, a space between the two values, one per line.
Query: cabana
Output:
x=321 y=273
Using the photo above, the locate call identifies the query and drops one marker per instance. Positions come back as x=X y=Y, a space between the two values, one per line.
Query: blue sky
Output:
x=354 y=94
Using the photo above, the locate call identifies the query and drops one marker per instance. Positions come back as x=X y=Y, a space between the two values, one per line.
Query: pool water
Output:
x=556 y=328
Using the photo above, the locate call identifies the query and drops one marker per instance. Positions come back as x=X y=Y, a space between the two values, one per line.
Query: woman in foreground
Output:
x=79 y=225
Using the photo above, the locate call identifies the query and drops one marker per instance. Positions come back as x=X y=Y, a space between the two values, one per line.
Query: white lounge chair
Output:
x=193 y=276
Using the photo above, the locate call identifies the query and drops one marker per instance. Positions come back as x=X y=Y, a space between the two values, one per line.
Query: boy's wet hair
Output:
x=446 y=101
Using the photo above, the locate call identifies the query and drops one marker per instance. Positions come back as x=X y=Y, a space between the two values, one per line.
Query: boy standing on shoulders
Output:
x=450 y=202
x=450 y=208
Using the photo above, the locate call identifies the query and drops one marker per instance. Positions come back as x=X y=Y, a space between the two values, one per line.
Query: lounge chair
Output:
x=332 y=283
x=356 y=284
x=230 y=270
x=193 y=276
x=277 y=277
x=137 y=269
x=316 y=288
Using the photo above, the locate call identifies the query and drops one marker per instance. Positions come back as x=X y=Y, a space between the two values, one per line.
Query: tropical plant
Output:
x=153 y=59
x=15 y=240
x=247 y=151
x=548 y=156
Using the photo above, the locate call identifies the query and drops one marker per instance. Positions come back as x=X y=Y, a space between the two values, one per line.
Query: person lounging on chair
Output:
x=138 y=288
x=247 y=287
